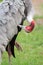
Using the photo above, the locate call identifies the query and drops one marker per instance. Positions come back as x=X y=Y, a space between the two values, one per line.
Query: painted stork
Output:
x=12 y=15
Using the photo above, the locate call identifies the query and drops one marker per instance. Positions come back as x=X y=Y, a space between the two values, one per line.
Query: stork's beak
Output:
x=28 y=28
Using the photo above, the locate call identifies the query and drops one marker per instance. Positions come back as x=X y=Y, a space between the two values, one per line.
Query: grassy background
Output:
x=32 y=44
x=1 y=0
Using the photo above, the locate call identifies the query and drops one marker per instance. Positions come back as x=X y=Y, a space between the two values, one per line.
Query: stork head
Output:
x=29 y=28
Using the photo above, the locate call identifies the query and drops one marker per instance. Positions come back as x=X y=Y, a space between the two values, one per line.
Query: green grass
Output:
x=38 y=17
x=1 y=0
